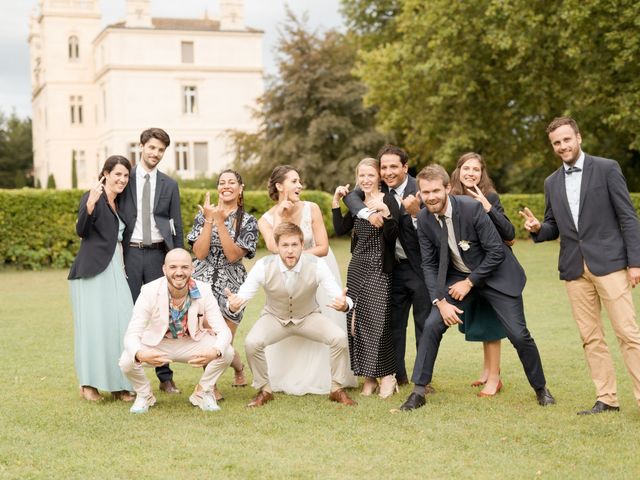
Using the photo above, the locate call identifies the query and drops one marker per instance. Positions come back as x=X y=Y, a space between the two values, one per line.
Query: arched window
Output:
x=74 y=48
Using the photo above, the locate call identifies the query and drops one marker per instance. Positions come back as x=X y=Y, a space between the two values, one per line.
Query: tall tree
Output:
x=311 y=114
x=489 y=75
x=16 y=156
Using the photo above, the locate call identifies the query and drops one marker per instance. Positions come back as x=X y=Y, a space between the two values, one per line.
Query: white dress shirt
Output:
x=572 y=185
x=456 y=258
x=136 y=235
x=256 y=279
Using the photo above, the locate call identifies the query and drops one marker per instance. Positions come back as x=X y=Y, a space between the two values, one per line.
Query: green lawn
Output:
x=46 y=431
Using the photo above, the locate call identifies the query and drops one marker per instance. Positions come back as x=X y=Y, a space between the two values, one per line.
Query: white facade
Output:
x=96 y=89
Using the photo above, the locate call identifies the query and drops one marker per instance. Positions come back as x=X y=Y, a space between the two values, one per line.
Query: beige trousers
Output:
x=177 y=350
x=614 y=291
x=268 y=330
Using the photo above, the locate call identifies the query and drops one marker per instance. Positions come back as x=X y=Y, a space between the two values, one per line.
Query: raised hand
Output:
x=411 y=204
x=207 y=210
x=476 y=193
x=379 y=206
x=340 y=303
x=284 y=209
x=341 y=192
x=95 y=193
x=234 y=301
x=531 y=223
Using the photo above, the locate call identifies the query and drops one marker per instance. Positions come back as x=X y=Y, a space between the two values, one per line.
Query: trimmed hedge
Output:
x=38 y=225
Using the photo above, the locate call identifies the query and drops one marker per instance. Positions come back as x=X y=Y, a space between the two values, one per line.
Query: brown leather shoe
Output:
x=169 y=387
x=341 y=396
x=262 y=398
x=123 y=396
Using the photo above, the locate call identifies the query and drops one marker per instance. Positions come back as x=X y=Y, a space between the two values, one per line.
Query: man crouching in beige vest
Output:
x=290 y=280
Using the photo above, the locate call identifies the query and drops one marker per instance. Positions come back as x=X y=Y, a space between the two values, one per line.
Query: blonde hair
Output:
x=368 y=162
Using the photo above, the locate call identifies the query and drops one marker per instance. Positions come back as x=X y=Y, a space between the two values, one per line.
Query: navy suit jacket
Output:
x=166 y=207
x=608 y=233
x=491 y=262
x=99 y=233
x=406 y=231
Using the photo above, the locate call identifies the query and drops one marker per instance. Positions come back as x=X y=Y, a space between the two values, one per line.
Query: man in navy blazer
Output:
x=407 y=284
x=144 y=247
x=464 y=256
x=587 y=204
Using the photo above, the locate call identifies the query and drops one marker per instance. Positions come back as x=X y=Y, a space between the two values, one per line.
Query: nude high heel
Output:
x=369 y=388
x=388 y=386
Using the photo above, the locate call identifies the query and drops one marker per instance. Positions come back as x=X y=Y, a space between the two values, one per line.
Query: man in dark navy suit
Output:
x=464 y=256
x=407 y=284
x=150 y=207
x=587 y=204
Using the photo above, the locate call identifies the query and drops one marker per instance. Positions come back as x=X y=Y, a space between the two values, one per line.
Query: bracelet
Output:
x=208 y=221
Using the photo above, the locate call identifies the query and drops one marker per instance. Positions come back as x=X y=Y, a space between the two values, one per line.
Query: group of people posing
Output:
x=436 y=245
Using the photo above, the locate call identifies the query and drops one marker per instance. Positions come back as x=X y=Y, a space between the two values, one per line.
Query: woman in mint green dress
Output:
x=100 y=295
x=480 y=322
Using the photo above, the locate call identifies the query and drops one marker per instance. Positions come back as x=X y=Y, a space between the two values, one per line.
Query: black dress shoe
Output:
x=544 y=397
x=414 y=401
x=599 y=407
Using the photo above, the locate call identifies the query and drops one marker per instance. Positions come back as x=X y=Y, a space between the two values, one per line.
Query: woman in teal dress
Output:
x=100 y=295
x=481 y=323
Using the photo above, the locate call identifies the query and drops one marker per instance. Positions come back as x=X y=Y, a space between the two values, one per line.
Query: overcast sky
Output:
x=15 y=80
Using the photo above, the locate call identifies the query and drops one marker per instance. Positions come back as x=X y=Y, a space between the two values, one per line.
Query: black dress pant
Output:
x=510 y=312
x=407 y=290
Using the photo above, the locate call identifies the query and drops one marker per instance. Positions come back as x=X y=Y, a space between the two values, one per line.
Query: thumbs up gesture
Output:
x=340 y=303
x=234 y=302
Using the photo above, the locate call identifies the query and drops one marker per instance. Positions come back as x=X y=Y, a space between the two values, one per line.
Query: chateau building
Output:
x=96 y=88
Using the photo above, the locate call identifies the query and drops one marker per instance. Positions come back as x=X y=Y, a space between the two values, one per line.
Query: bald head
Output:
x=177 y=254
x=177 y=269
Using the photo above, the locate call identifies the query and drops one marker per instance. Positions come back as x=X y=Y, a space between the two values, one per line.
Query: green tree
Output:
x=51 y=182
x=311 y=114
x=16 y=156
x=489 y=75
x=74 y=170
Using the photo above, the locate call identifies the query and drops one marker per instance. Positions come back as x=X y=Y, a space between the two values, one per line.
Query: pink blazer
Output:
x=150 y=319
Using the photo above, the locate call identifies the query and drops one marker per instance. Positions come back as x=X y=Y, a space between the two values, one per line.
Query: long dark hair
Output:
x=240 y=210
x=485 y=184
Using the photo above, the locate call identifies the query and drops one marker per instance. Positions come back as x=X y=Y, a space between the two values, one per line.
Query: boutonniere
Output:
x=464 y=245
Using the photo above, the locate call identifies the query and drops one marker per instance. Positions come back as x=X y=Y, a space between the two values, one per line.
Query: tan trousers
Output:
x=177 y=350
x=316 y=327
x=614 y=291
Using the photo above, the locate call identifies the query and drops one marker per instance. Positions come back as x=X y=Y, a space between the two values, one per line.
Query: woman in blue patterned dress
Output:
x=222 y=235
x=100 y=295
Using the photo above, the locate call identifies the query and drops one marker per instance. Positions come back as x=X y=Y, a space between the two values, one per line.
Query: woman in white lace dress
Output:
x=298 y=366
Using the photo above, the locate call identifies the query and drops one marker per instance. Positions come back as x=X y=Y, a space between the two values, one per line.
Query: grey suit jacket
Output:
x=491 y=262
x=608 y=233
x=166 y=207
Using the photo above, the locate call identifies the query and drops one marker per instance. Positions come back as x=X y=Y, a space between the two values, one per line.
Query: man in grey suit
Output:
x=587 y=204
x=150 y=208
x=407 y=284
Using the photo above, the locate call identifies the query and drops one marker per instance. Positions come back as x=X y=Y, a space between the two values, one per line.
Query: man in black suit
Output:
x=587 y=204
x=407 y=285
x=150 y=207
x=464 y=256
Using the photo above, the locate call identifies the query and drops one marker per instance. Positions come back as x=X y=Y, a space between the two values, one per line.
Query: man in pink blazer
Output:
x=176 y=318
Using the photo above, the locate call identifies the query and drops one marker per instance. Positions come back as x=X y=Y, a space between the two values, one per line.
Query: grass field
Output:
x=46 y=431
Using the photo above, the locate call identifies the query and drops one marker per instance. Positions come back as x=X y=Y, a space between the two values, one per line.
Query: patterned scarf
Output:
x=178 y=317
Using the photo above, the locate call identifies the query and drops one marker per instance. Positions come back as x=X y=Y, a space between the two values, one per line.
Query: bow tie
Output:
x=572 y=169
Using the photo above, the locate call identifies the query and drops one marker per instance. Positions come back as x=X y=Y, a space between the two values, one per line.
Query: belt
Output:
x=153 y=246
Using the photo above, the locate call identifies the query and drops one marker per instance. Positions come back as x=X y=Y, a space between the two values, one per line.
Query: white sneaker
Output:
x=142 y=404
x=205 y=400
